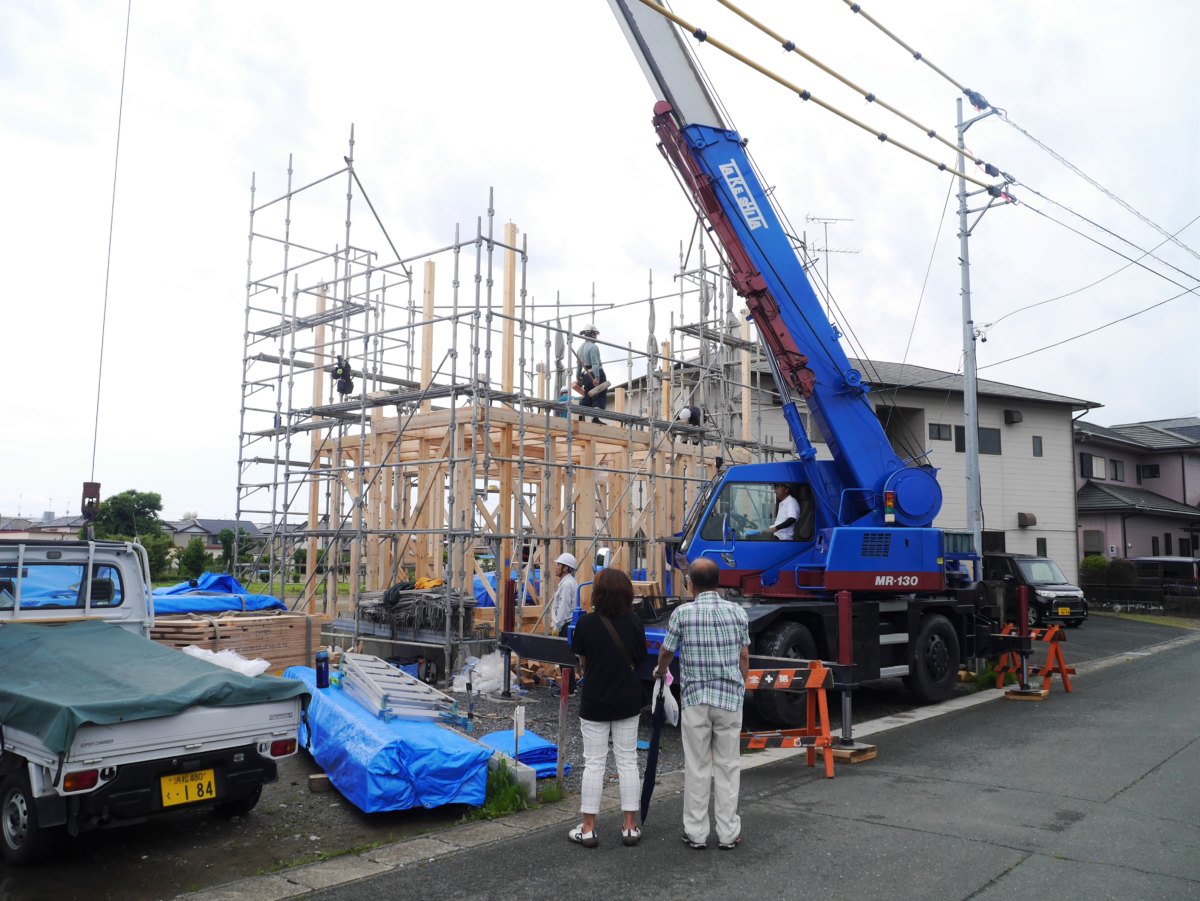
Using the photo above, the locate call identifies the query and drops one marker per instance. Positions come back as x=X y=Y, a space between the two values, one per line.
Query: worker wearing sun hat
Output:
x=562 y=608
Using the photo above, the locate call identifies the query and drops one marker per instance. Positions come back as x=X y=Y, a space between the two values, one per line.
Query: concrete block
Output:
x=474 y=834
x=260 y=888
x=403 y=853
x=336 y=871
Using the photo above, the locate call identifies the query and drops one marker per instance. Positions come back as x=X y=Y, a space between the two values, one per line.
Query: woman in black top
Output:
x=610 y=643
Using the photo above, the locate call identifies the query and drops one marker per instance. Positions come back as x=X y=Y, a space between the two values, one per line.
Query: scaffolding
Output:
x=411 y=417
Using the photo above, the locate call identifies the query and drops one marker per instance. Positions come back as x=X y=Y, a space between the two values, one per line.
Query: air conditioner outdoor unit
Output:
x=1011 y=417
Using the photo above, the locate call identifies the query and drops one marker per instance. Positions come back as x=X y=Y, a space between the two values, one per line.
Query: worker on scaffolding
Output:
x=591 y=379
x=562 y=609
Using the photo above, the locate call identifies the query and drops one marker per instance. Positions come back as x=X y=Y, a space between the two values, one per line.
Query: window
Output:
x=1041 y=547
x=58 y=586
x=993 y=542
x=1037 y=445
x=1093 y=542
x=1116 y=470
x=1153 y=545
x=1147 y=471
x=989 y=440
x=939 y=431
x=747 y=510
x=1185 y=547
x=1091 y=466
x=1167 y=544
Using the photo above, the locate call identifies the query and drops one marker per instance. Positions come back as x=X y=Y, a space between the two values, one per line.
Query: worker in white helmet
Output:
x=563 y=606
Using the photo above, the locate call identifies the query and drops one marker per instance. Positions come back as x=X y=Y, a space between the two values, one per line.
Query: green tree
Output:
x=128 y=514
x=158 y=547
x=194 y=559
x=226 y=537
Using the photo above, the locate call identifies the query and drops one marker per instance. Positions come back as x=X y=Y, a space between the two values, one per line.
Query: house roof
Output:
x=61 y=522
x=214 y=526
x=882 y=374
x=14 y=524
x=1095 y=498
x=879 y=374
x=1188 y=426
x=1140 y=435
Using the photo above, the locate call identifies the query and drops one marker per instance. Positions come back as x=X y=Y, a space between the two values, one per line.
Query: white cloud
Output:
x=543 y=101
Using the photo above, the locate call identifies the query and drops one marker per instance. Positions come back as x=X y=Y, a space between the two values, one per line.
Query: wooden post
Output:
x=745 y=354
x=427 y=333
x=665 y=413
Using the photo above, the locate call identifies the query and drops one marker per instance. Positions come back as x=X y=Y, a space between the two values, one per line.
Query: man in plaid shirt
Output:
x=713 y=639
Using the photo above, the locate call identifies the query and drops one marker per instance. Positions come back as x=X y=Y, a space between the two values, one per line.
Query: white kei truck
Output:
x=99 y=725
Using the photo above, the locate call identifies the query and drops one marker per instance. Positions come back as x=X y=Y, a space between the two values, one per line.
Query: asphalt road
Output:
x=1089 y=795
x=194 y=849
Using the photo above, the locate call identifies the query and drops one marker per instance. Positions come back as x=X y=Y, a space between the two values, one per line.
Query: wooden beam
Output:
x=427 y=332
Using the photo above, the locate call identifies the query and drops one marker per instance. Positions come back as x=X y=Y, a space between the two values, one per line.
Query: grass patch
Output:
x=1175 y=622
x=551 y=793
x=318 y=856
x=986 y=677
x=504 y=796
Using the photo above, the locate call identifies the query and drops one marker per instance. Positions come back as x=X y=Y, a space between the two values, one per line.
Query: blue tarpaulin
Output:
x=535 y=751
x=381 y=765
x=212 y=593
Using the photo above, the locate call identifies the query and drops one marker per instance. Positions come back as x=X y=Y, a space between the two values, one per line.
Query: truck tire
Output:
x=793 y=640
x=933 y=660
x=23 y=841
x=240 y=807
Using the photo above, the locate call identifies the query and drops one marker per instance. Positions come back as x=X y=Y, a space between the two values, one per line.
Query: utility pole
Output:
x=970 y=333
x=970 y=393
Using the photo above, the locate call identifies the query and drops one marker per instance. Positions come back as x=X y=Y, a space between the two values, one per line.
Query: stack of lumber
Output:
x=282 y=639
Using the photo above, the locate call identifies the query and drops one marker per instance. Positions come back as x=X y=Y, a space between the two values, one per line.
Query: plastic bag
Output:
x=487 y=674
x=231 y=660
x=663 y=694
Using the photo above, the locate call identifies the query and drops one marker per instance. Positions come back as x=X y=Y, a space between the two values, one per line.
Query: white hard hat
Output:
x=589 y=329
x=685 y=413
x=567 y=560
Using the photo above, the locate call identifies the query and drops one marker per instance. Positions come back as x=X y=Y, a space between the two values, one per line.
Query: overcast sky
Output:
x=543 y=101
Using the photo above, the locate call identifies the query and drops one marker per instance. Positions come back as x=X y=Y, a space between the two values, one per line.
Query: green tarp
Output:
x=53 y=679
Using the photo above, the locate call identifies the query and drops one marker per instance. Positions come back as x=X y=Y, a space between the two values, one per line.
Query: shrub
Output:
x=1094 y=569
x=504 y=795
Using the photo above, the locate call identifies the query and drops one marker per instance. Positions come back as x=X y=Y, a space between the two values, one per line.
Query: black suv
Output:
x=1051 y=597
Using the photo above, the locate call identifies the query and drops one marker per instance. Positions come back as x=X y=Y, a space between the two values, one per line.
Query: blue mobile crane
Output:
x=865 y=516
x=863 y=520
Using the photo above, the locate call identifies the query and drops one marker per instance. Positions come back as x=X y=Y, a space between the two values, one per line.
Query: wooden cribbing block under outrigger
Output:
x=1010 y=662
x=813 y=680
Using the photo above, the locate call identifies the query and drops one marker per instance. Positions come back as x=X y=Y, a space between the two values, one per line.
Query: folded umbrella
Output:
x=658 y=713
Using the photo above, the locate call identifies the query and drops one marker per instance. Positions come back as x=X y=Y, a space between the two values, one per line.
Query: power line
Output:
x=112 y=212
x=1063 y=206
x=980 y=102
x=1099 y=187
x=703 y=37
x=1084 y=287
x=1098 y=328
x=1099 y=243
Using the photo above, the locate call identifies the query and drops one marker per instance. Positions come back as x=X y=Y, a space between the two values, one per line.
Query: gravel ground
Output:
x=541 y=716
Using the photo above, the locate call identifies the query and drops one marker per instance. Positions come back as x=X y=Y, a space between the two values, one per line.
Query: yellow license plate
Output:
x=1064 y=611
x=186 y=788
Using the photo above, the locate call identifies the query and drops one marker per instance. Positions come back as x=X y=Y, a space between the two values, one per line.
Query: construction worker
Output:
x=591 y=373
x=562 y=608
x=690 y=414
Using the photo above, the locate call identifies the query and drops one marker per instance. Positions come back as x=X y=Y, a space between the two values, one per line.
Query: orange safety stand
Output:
x=814 y=735
x=1010 y=661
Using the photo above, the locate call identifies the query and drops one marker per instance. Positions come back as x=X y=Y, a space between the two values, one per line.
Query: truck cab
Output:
x=1052 y=599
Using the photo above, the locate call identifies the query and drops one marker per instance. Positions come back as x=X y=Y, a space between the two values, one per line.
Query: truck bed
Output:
x=55 y=679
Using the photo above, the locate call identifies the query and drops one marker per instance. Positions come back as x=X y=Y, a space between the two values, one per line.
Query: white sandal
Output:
x=587 y=839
